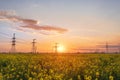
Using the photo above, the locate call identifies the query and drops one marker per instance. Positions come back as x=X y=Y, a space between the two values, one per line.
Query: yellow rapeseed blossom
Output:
x=111 y=77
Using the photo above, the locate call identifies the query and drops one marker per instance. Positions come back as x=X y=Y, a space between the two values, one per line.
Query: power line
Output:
x=4 y=35
x=20 y=40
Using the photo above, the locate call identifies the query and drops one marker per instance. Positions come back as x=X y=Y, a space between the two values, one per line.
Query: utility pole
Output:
x=56 y=47
x=107 y=50
x=34 y=46
x=13 y=49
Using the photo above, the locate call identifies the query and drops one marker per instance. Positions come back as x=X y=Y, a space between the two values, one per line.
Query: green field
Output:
x=59 y=67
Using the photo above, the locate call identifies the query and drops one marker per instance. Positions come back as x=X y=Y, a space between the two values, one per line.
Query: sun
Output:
x=61 y=49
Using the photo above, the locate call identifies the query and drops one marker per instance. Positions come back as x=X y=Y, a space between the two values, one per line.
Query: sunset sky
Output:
x=77 y=25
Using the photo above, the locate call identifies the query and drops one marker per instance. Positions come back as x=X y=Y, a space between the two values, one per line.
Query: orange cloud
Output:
x=28 y=23
x=45 y=27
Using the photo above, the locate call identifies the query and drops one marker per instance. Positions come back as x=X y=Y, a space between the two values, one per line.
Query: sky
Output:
x=77 y=25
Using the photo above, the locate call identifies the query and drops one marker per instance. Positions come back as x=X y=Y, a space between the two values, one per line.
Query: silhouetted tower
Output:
x=107 y=50
x=34 y=46
x=56 y=47
x=13 y=49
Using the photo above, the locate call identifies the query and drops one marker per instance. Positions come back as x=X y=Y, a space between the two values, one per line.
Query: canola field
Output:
x=59 y=66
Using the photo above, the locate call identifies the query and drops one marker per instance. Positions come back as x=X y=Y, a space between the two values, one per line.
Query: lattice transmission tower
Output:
x=56 y=47
x=13 y=45
x=34 y=48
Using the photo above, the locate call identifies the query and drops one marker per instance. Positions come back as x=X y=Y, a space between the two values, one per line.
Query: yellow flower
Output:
x=111 y=78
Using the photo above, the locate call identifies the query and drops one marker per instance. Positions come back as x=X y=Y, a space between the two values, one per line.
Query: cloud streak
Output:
x=28 y=23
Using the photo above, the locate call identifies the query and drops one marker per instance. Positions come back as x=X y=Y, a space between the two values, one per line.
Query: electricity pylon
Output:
x=34 y=48
x=107 y=50
x=13 y=45
x=56 y=47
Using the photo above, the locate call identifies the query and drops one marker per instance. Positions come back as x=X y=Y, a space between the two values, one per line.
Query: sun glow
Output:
x=61 y=49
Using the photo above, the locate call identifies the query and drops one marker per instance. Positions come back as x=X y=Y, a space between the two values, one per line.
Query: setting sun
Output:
x=61 y=48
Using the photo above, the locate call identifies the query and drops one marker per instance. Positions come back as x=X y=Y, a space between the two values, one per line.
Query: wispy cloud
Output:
x=28 y=23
